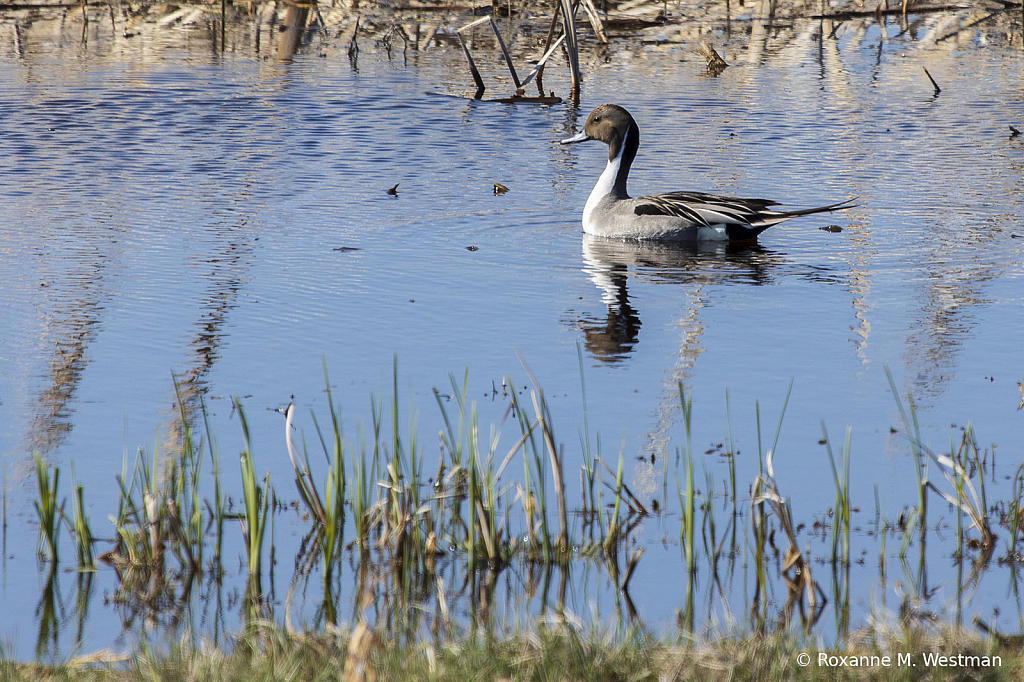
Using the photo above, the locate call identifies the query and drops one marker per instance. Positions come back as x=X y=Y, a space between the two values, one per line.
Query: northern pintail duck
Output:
x=675 y=216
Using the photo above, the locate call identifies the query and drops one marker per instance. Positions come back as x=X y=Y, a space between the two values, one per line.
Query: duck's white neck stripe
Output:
x=605 y=185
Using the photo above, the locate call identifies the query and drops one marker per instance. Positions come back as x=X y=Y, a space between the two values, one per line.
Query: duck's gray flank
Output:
x=676 y=216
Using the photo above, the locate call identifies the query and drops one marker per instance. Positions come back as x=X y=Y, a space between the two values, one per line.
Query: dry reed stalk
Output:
x=571 y=46
x=595 y=20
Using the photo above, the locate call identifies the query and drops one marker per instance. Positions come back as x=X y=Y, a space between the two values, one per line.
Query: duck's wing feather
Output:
x=708 y=209
x=713 y=209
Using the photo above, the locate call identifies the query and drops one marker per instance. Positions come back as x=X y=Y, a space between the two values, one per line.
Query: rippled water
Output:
x=224 y=217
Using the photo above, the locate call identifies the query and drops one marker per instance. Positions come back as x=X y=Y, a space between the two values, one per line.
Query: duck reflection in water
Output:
x=609 y=262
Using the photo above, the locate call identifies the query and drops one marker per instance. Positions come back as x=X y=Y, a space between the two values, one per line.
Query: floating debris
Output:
x=394 y=190
x=831 y=228
x=716 y=64
x=346 y=249
x=1014 y=132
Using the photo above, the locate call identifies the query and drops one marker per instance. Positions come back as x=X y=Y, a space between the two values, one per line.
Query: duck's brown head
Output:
x=613 y=125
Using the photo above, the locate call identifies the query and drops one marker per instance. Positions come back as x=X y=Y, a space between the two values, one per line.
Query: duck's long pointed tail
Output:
x=779 y=216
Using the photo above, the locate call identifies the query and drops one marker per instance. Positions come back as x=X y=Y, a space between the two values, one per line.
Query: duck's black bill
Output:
x=578 y=137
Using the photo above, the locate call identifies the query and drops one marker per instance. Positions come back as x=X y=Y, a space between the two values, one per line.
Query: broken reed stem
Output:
x=505 y=54
x=548 y=48
x=537 y=70
x=934 y=84
x=353 y=45
x=85 y=24
x=714 y=60
x=480 y=87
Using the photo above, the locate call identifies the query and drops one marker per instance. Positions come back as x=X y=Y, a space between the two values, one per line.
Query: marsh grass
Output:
x=444 y=541
x=162 y=508
x=688 y=493
x=588 y=470
x=3 y=512
x=542 y=653
x=958 y=468
x=1016 y=504
x=612 y=535
x=48 y=510
x=257 y=503
x=920 y=459
x=842 y=508
x=80 y=530
x=327 y=512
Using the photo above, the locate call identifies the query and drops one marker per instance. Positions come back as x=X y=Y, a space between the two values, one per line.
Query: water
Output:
x=167 y=208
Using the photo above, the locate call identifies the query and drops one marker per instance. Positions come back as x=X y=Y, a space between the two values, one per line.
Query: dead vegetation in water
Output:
x=526 y=30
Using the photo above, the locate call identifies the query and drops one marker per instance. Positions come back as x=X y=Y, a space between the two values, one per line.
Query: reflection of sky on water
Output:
x=176 y=212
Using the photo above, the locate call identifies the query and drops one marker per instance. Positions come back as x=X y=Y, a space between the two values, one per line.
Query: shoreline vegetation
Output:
x=267 y=652
x=427 y=542
x=527 y=32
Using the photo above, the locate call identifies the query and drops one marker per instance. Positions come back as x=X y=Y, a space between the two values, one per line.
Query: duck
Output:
x=674 y=216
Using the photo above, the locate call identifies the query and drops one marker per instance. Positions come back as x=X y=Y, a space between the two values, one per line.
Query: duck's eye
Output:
x=597 y=120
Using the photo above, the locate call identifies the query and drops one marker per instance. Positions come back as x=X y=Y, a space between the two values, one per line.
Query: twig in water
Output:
x=934 y=84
